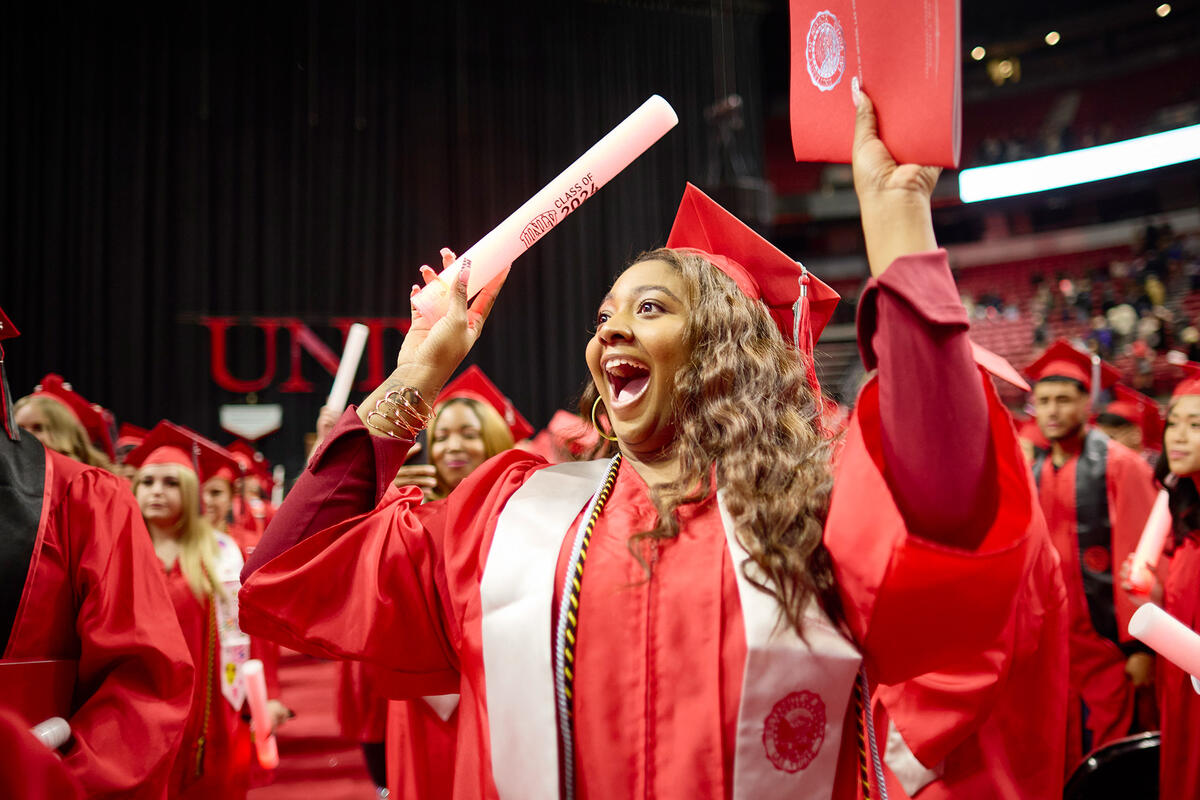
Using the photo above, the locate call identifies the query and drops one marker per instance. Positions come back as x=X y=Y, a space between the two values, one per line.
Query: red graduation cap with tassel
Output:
x=1062 y=360
x=474 y=384
x=168 y=443
x=797 y=300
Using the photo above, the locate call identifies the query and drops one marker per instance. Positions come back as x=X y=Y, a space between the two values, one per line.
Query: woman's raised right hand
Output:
x=432 y=351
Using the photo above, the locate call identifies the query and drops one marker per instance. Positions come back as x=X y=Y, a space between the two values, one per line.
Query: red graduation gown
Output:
x=1097 y=664
x=28 y=770
x=227 y=749
x=362 y=711
x=94 y=592
x=420 y=750
x=660 y=662
x=1178 y=703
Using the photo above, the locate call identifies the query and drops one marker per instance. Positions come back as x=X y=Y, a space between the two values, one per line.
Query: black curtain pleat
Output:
x=303 y=159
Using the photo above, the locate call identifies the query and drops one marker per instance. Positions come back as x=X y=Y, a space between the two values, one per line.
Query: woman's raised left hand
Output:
x=893 y=198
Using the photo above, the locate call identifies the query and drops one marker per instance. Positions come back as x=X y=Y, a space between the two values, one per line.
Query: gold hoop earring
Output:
x=596 y=425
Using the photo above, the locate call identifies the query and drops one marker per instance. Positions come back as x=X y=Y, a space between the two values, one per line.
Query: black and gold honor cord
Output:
x=568 y=625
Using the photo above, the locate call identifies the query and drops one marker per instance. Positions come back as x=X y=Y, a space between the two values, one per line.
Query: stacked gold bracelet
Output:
x=403 y=410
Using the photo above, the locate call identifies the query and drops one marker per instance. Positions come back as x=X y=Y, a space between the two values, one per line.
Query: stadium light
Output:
x=1080 y=166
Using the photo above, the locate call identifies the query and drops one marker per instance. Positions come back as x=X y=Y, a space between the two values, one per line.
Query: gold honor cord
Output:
x=568 y=625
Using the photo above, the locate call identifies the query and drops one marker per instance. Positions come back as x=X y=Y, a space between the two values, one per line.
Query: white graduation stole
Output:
x=794 y=695
x=234 y=645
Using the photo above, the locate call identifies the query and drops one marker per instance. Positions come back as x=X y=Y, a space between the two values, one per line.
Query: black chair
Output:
x=1126 y=769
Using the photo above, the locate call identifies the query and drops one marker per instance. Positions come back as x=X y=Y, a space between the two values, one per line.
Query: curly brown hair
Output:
x=743 y=404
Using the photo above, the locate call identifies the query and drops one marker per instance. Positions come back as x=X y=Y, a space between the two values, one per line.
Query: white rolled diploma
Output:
x=53 y=732
x=1167 y=636
x=1150 y=546
x=256 y=697
x=343 y=382
x=600 y=164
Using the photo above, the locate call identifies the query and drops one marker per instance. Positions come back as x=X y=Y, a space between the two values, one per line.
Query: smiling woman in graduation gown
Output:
x=665 y=673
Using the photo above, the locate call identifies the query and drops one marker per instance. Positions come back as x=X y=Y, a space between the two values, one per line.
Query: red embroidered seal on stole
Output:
x=1097 y=559
x=794 y=731
x=825 y=51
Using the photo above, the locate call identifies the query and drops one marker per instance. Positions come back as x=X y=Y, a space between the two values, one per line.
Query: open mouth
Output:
x=627 y=379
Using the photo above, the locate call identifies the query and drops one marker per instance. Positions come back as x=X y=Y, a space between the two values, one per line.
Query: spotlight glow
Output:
x=1052 y=38
x=978 y=53
x=1163 y=10
x=1080 y=166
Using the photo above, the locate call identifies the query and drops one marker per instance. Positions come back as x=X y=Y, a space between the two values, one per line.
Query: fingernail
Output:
x=444 y=251
x=855 y=92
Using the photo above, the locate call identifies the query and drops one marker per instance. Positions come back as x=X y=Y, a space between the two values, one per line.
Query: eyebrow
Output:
x=653 y=287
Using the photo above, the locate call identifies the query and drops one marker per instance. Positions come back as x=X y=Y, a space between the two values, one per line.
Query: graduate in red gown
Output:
x=1096 y=495
x=618 y=628
x=202 y=569
x=67 y=423
x=80 y=583
x=473 y=422
x=1178 y=592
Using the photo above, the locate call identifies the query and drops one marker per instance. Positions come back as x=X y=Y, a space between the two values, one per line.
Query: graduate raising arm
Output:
x=660 y=668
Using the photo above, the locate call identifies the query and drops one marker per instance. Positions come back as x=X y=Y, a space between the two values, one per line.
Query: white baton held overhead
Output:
x=343 y=382
x=578 y=182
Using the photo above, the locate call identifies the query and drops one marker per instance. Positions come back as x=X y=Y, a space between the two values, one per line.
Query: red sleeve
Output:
x=28 y=770
x=1131 y=495
x=374 y=587
x=347 y=476
x=135 y=672
x=932 y=409
x=915 y=605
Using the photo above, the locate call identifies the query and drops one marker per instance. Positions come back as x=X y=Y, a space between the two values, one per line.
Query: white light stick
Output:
x=490 y=255
x=53 y=732
x=343 y=382
x=1150 y=546
x=256 y=697
x=1169 y=637
x=278 y=475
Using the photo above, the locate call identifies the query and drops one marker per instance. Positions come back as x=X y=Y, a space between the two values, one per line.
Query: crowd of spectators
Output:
x=1137 y=309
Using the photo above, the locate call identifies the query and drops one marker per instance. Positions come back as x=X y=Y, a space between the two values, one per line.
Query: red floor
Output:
x=314 y=761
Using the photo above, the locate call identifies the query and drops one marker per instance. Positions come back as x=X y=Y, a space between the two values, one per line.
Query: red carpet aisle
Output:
x=314 y=761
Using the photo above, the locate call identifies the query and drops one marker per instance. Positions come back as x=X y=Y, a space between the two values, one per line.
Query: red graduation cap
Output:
x=95 y=420
x=1139 y=410
x=168 y=443
x=474 y=384
x=1191 y=380
x=130 y=435
x=252 y=462
x=797 y=300
x=7 y=329
x=1062 y=360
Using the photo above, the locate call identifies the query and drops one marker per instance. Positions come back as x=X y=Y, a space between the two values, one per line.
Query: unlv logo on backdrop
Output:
x=301 y=339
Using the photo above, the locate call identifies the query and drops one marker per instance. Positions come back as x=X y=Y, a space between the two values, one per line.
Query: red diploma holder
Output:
x=37 y=689
x=256 y=696
x=905 y=54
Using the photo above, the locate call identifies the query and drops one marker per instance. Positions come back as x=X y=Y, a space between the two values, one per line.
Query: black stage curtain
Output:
x=302 y=160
